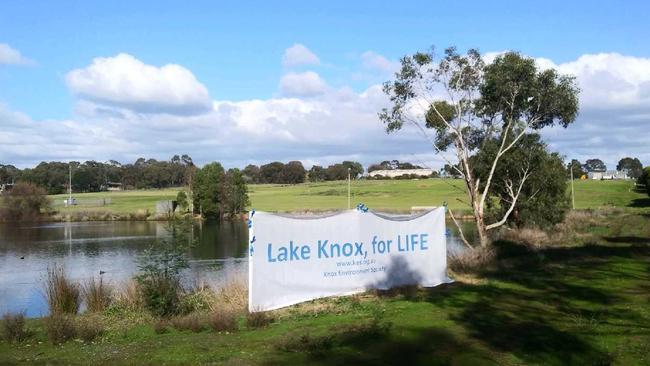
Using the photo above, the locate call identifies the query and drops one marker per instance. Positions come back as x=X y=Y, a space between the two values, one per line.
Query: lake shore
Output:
x=571 y=291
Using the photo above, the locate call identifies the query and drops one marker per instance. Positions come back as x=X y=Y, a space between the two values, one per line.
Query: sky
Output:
x=254 y=82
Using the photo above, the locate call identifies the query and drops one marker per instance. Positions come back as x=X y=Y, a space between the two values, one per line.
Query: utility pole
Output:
x=69 y=184
x=573 y=197
x=348 y=188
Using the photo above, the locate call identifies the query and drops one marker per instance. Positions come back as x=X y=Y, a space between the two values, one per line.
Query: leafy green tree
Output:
x=503 y=100
x=272 y=172
x=594 y=165
x=235 y=192
x=317 y=174
x=356 y=169
x=293 y=173
x=252 y=173
x=542 y=199
x=182 y=201
x=632 y=165
x=576 y=167
x=207 y=190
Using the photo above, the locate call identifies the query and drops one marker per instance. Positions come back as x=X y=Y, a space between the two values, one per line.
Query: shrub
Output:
x=13 y=327
x=258 y=319
x=194 y=322
x=63 y=296
x=89 y=328
x=160 y=267
x=161 y=294
x=200 y=298
x=223 y=319
x=59 y=328
x=26 y=201
x=97 y=295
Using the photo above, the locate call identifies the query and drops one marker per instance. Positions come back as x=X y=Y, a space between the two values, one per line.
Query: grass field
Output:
x=584 y=303
x=379 y=195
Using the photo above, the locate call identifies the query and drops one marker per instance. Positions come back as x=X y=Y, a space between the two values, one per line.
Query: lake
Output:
x=86 y=248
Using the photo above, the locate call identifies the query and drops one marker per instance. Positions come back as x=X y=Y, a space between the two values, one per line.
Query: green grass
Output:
x=379 y=195
x=581 y=304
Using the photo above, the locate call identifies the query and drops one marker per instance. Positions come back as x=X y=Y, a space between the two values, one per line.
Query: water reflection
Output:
x=86 y=248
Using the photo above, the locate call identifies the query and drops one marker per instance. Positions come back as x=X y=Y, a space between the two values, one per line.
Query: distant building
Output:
x=608 y=175
x=6 y=187
x=113 y=186
x=393 y=173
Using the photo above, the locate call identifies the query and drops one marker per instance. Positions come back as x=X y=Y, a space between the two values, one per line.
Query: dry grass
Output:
x=97 y=294
x=259 y=319
x=63 y=295
x=469 y=261
x=161 y=326
x=195 y=322
x=59 y=327
x=13 y=327
x=224 y=319
x=531 y=237
x=233 y=294
x=89 y=328
x=129 y=296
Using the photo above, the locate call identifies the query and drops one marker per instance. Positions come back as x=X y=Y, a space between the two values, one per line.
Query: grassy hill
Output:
x=379 y=195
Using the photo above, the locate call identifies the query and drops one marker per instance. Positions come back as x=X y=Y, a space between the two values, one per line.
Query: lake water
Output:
x=86 y=248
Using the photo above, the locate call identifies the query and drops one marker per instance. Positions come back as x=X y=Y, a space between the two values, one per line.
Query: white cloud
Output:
x=614 y=119
x=302 y=84
x=11 y=56
x=297 y=55
x=315 y=123
x=373 y=60
x=126 y=82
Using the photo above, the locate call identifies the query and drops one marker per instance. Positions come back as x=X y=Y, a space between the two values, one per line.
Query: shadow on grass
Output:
x=640 y=202
x=553 y=307
x=433 y=346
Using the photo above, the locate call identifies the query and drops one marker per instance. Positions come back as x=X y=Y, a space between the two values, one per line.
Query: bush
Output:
x=59 y=328
x=13 y=327
x=194 y=322
x=223 y=319
x=63 y=296
x=160 y=268
x=201 y=298
x=89 y=328
x=24 y=202
x=97 y=295
x=258 y=319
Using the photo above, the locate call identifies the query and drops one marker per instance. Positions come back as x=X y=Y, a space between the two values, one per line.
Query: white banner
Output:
x=298 y=259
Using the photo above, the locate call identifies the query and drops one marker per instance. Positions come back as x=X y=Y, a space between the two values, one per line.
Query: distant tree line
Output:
x=294 y=172
x=93 y=176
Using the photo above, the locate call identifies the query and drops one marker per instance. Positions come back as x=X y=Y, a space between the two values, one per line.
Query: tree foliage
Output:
x=575 y=167
x=24 y=202
x=632 y=165
x=218 y=193
x=543 y=199
x=594 y=165
x=468 y=104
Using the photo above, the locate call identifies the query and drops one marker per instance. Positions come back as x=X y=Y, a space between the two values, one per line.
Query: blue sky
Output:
x=236 y=52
